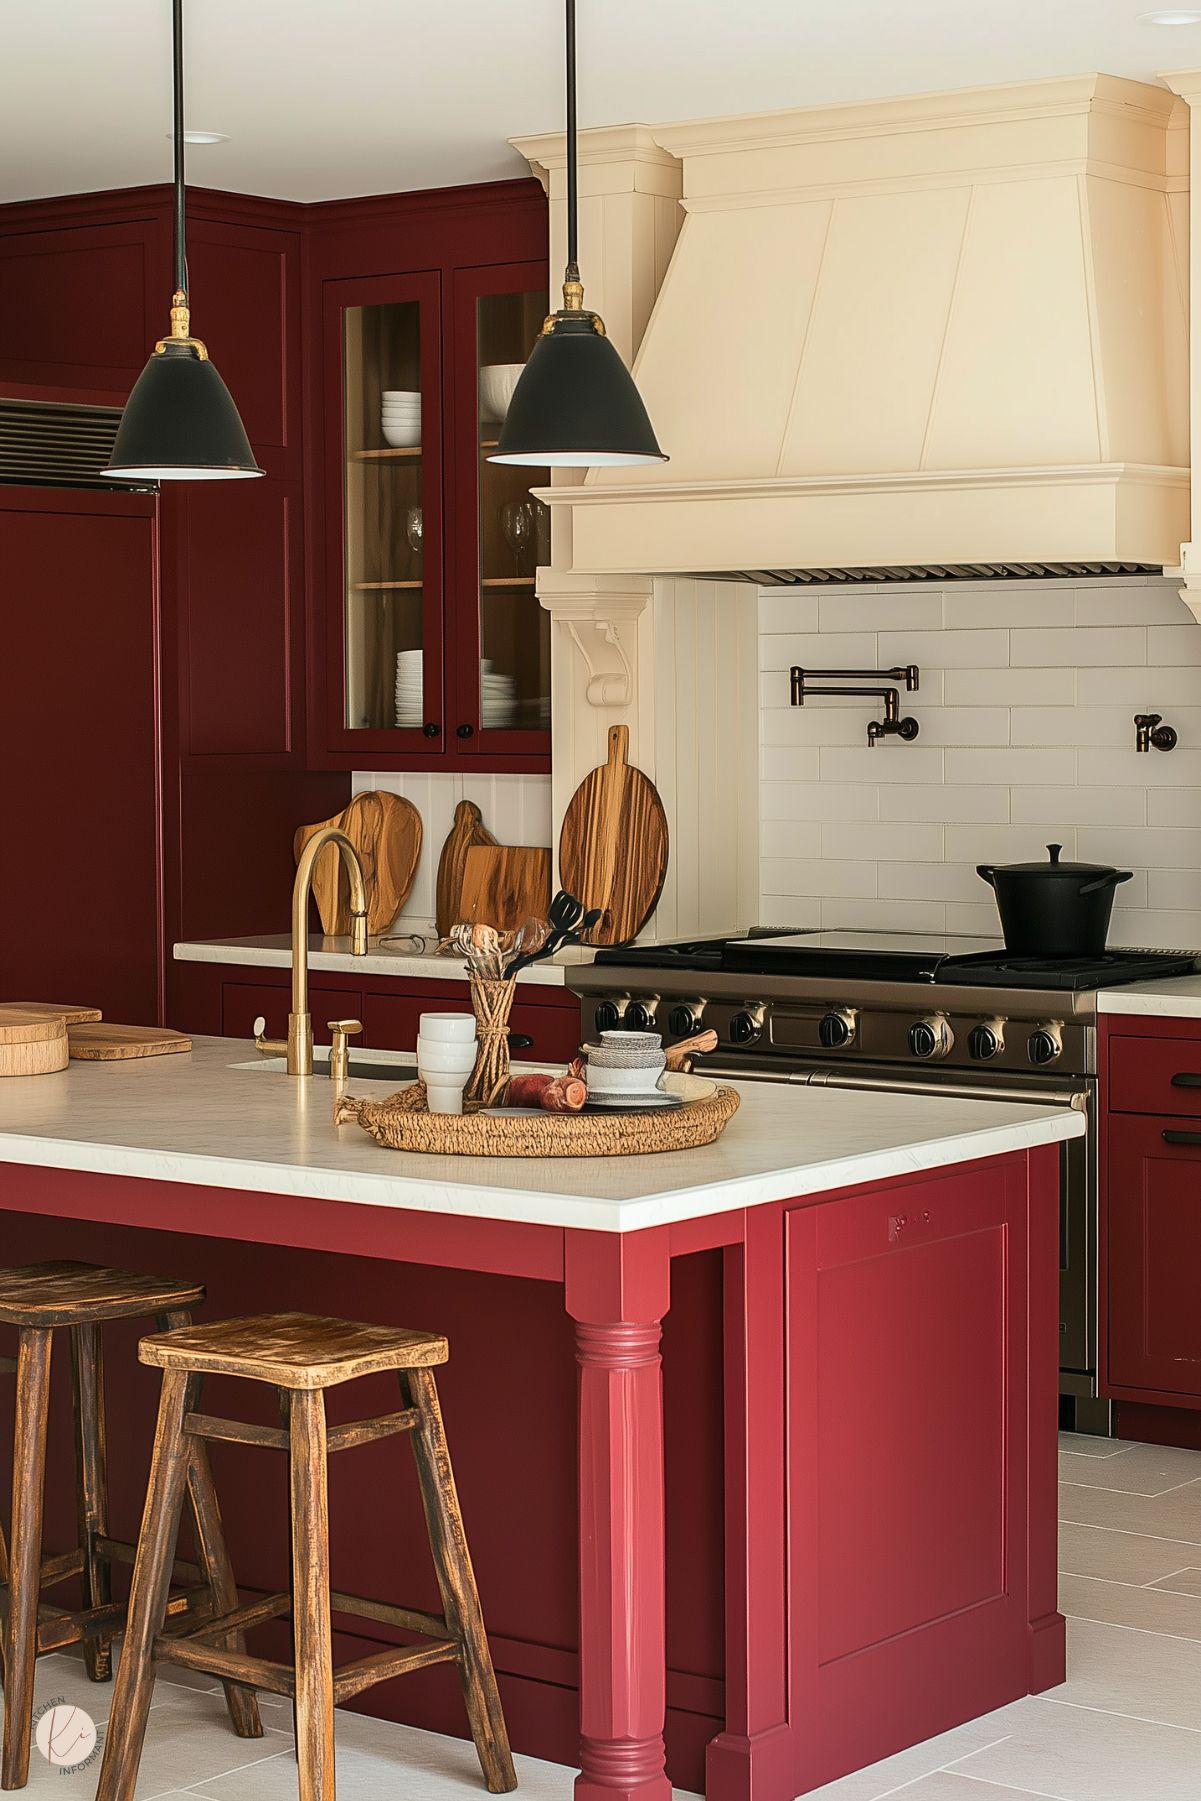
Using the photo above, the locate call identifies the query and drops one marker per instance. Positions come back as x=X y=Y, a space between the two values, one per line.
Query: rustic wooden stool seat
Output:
x=301 y=1355
x=40 y=1299
x=294 y=1350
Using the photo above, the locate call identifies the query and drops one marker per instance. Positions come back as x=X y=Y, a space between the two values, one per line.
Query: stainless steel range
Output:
x=903 y=1012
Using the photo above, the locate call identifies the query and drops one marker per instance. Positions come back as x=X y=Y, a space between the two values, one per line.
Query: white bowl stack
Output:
x=498 y=697
x=410 y=687
x=625 y=1066
x=400 y=417
x=497 y=382
x=445 y=1058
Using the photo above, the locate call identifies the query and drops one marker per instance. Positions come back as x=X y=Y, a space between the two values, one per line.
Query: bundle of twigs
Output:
x=492 y=1002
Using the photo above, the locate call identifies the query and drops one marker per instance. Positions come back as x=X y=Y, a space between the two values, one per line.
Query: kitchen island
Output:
x=818 y=1527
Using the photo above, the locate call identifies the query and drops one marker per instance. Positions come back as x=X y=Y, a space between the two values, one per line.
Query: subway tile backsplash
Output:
x=1027 y=700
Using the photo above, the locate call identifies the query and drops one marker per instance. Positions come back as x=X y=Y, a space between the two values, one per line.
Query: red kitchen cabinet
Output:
x=429 y=647
x=537 y=1034
x=244 y=1002
x=1155 y=1256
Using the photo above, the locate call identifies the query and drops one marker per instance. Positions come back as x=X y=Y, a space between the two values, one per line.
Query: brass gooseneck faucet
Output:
x=299 y=1045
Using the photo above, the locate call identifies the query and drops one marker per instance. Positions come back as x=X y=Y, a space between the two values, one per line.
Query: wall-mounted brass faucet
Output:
x=1149 y=732
x=892 y=725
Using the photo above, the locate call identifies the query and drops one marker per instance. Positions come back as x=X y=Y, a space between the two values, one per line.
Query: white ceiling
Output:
x=325 y=98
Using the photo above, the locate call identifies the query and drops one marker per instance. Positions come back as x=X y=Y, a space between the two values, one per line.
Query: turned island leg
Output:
x=617 y=1293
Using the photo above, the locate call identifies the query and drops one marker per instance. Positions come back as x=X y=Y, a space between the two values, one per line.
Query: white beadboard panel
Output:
x=880 y=840
x=1009 y=687
x=818 y=800
x=961 y=803
x=1150 y=690
x=1077 y=647
x=1085 y=806
x=945 y=650
x=1016 y=604
x=1009 y=765
x=897 y=609
x=817 y=876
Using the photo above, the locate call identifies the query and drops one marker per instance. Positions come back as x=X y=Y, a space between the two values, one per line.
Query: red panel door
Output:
x=1155 y=1255
x=79 y=749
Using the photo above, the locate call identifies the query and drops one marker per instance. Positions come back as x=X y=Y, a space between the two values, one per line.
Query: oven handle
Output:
x=966 y=1091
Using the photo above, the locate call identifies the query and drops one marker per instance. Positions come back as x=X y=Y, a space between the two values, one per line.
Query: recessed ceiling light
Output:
x=222 y=137
x=1173 y=16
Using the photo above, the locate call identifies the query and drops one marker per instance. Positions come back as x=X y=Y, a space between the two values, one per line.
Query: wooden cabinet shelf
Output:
x=386 y=456
x=379 y=587
x=507 y=581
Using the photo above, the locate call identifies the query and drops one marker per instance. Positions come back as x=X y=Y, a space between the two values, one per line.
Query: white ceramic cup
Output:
x=444 y=1100
x=445 y=1059
x=448 y=1028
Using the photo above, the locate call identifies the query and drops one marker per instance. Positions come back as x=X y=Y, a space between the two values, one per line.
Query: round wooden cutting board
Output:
x=614 y=844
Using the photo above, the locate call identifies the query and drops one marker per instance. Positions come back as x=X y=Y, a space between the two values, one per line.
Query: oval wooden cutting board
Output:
x=386 y=831
x=613 y=847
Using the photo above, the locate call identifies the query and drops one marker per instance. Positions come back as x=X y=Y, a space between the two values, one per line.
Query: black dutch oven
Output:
x=1054 y=909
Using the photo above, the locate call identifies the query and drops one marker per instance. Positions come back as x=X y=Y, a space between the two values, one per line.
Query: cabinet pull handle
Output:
x=1187 y=1078
x=521 y=1041
x=431 y=730
x=464 y=731
x=1181 y=1137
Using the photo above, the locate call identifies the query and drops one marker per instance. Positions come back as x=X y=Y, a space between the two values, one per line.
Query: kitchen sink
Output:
x=381 y=1067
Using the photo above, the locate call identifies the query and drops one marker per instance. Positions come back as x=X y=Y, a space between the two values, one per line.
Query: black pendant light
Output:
x=180 y=422
x=575 y=406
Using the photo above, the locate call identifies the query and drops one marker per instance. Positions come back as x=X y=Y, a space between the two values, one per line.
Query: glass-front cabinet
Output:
x=437 y=650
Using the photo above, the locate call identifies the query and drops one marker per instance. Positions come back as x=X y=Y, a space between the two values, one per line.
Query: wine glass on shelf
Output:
x=517 y=526
x=414 y=532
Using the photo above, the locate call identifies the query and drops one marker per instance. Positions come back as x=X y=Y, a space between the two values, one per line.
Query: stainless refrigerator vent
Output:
x=46 y=445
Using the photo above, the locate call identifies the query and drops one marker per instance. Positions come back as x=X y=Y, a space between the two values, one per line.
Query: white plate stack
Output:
x=400 y=417
x=410 y=678
x=498 y=697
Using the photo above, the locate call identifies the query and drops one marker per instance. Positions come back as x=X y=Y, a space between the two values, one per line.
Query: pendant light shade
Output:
x=180 y=422
x=575 y=405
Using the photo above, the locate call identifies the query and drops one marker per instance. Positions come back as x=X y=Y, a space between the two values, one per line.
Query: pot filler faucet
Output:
x=299 y=1045
x=892 y=725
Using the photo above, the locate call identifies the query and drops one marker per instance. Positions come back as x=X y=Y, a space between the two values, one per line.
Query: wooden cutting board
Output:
x=385 y=829
x=467 y=831
x=505 y=884
x=614 y=843
x=94 y=1043
x=50 y=1010
x=31 y=1043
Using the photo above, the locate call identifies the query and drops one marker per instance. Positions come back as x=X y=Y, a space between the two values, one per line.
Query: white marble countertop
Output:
x=222 y=1118
x=1177 y=997
x=274 y=951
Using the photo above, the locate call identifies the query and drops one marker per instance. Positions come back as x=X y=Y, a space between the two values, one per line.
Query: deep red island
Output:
x=756 y=1443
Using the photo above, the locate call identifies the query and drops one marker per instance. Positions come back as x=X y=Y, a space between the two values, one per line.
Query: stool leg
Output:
x=3 y=1598
x=134 y=1686
x=91 y=1485
x=456 y=1580
x=25 y=1579
x=314 y=1661
x=213 y=1557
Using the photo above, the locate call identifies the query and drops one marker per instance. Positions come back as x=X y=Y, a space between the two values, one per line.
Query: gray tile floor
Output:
x=1125 y=1726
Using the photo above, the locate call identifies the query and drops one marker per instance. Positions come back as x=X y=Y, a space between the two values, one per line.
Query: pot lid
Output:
x=1054 y=867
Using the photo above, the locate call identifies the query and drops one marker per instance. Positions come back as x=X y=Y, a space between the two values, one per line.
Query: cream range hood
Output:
x=938 y=335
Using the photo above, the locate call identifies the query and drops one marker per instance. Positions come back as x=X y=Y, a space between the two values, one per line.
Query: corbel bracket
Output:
x=600 y=616
x=1189 y=577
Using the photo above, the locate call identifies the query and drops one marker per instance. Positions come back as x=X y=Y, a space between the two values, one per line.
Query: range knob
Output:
x=930 y=1037
x=746 y=1026
x=640 y=1016
x=984 y=1041
x=837 y=1028
x=1044 y=1044
x=685 y=1018
x=608 y=1016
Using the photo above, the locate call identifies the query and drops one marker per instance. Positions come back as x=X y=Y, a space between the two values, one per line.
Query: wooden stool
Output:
x=302 y=1356
x=38 y=1299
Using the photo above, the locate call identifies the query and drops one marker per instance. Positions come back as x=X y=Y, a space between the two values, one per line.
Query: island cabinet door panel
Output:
x=907 y=1475
x=1154 y=1204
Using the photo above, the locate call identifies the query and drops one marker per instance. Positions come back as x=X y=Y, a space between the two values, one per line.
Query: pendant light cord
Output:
x=181 y=254
x=573 y=270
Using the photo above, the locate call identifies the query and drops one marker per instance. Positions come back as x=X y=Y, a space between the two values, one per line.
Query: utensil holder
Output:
x=492 y=1002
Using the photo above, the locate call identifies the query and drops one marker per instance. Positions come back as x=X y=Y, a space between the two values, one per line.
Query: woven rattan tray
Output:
x=402 y=1123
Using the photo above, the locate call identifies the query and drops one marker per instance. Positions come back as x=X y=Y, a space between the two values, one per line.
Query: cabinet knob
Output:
x=431 y=729
x=464 y=731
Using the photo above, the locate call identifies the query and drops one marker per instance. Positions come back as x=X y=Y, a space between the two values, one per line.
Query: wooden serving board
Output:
x=93 y=1043
x=505 y=884
x=468 y=830
x=386 y=831
x=50 y=1010
x=31 y=1044
x=613 y=846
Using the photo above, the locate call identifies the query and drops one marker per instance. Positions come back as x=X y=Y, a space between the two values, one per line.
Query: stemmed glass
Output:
x=414 y=531
x=517 y=526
